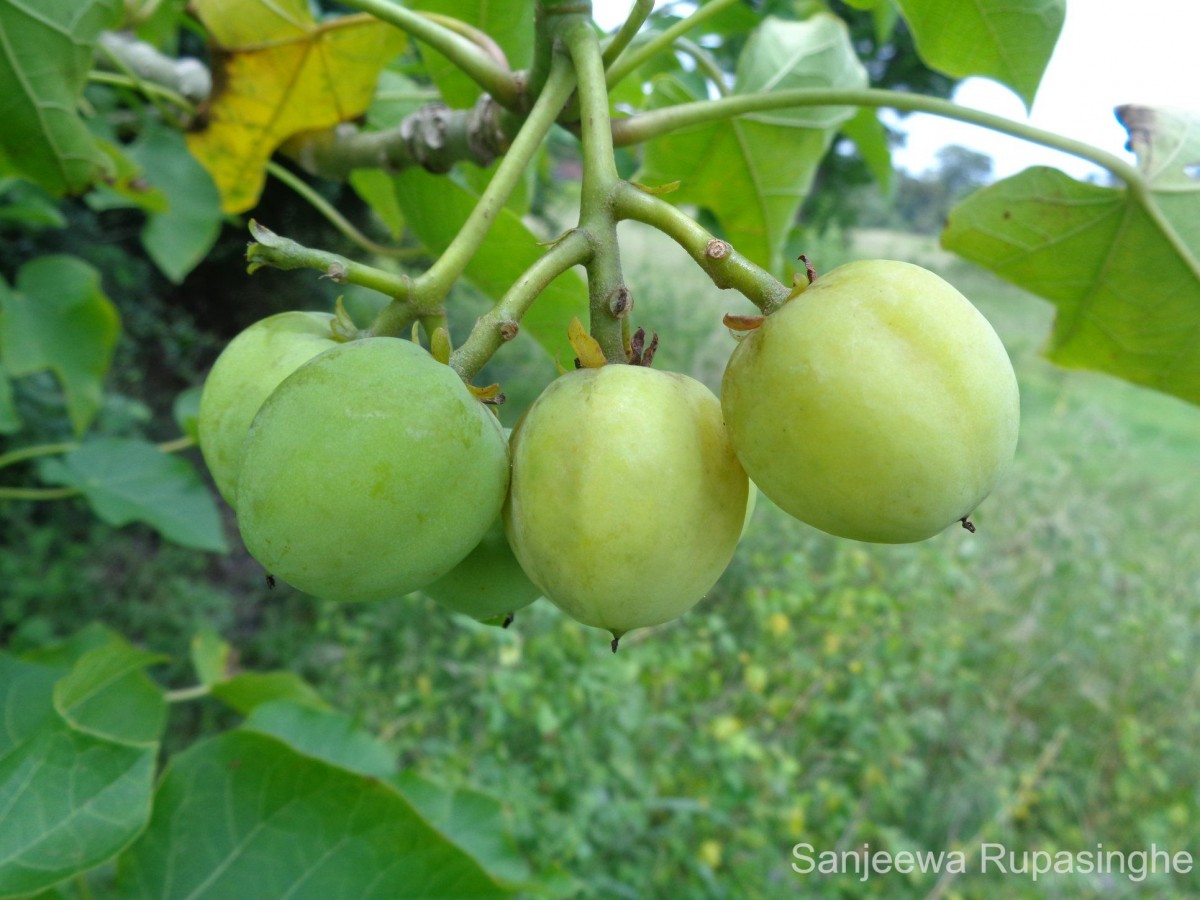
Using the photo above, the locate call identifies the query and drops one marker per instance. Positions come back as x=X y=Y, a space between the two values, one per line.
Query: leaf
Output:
x=278 y=72
x=752 y=172
x=186 y=411
x=28 y=205
x=227 y=806
x=73 y=797
x=587 y=348
x=324 y=734
x=249 y=690
x=108 y=695
x=475 y=822
x=1122 y=265
x=178 y=238
x=870 y=137
x=45 y=54
x=1009 y=41
x=59 y=319
x=127 y=480
x=509 y=24
x=211 y=657
x=435 y=208
x=10 y=419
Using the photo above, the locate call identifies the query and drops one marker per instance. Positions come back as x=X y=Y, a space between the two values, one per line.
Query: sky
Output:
x=1110 y=52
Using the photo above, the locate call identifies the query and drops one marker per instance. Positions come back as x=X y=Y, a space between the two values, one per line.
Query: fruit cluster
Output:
x=878 y=404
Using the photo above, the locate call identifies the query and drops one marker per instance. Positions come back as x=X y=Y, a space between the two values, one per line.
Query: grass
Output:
x=1031 y=685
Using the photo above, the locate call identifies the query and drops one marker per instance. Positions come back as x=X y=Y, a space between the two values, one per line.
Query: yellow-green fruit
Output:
x=626 y=500
x=877 y=405
x=244 y=375
x=488 y=583
x=370 y=472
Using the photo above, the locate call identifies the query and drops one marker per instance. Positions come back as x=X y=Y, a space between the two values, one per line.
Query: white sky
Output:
x=1110 y=52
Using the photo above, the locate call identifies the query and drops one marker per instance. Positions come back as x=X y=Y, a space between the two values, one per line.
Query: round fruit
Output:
x=370 y=472
x=488 y=583
x=626 y=500
x=245 y=373
x=877 y=405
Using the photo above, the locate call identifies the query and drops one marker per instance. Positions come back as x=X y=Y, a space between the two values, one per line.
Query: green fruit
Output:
x=877 y=405
x=370 y=472
x=626 y=500
x=488 y=583
x=244 y=375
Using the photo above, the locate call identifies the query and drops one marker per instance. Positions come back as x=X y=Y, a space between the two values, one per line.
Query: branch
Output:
x=432 y=286
x=609 y=299
x=647 y=126
x=629 y=28
x=724 y=265
x=283 y=253
x=189 y=78
x=434 y=137
x=634 y=57
x=471 y=59
x=501 y=324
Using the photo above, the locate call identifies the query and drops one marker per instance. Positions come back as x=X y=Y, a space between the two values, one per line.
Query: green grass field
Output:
x=1032 y=685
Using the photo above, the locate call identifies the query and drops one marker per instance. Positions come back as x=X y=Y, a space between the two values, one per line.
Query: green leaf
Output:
x=59 y=319
x=1122 y=265
x=211 y=656
x=230 y=804
x=10 y=419
x=1007 y=40
x=325 y=734
x=752 y=172
x=186 y=411
x=180 y=237
x=108 y=695
x=435 y=208
x=249 y=690
x=870 y=137
x=29 y=206
x=72 y=797
x=45 y=54
x=127 y=480
x=475 y=822
x=374 y=187
x=509 y=24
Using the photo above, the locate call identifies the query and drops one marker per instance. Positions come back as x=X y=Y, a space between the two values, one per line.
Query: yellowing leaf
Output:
x=279 y=72
x=586 y=347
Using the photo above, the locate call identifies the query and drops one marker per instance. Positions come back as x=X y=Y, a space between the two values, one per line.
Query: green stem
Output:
x=149 y=88
x=629 y=28
x=183 y=442
x=335 y=218
x=647 y=126
x=16 y=456
x=475 y=62
x=633 y=58
x=609 y=298
x=431 y=288
x=502 y=322
x=279 y=252
x=12 y=493
x=706 y=62
x=724 y=265
x=182 y=695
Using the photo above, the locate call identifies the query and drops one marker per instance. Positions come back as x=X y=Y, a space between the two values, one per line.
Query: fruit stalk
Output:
x=430 y=289
x=721 y=262
x=499 y=325
x=600 y=181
